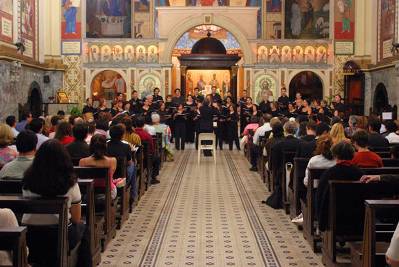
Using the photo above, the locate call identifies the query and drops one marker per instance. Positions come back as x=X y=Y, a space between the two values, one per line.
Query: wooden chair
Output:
x=298 y=189
x=59 y=206
x=376 y=235
x=14 y=240
x=105 y=225
x=346 y=213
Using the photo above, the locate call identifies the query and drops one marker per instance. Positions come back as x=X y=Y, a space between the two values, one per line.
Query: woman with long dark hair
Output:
x=50 y=175
x=64 y=133
x=232 y=127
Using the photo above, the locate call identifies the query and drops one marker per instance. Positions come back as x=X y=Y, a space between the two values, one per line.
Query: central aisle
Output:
x=208 y=215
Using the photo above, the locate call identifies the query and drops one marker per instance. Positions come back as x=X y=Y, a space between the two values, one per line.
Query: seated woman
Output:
x=343 y=153
x=337 y=133
x=7 y=220
x=98 y=149
x=322 y=159
x=50 y=175
x=7 y=153
x=253 y=125
x=166 y=134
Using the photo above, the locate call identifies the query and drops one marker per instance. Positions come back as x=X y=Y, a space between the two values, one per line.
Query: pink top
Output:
x=7 y=154
x=251 y=126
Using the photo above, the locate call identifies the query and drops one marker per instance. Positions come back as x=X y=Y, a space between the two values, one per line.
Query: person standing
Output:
x=180 y=118
x=178 y=98
x=232 y=127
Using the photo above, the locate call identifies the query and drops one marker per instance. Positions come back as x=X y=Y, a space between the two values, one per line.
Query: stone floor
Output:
x=208 y=215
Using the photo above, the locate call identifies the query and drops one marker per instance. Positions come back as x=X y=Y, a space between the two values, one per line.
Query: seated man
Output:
x=375 y=138
x=343 y=152
x=36 y=125
x=364 y=158
x=79 y=148
x=307 y=144
x=26 y=145
x=146 y=137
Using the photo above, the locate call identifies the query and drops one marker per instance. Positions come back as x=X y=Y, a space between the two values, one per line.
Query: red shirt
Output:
x=67 y=140
x=144 y=136
x=367 y=159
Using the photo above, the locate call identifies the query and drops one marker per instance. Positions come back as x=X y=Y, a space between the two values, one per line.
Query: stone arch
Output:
x=93 y=75
x=317 y=75
x=380 y=99
x=217 y=20
x=35 y=99
x=323 y=75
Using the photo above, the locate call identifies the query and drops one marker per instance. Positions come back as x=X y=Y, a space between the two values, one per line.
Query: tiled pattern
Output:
x=208 y=215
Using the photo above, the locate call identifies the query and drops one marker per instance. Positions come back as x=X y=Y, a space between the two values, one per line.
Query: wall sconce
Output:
x=15 y=71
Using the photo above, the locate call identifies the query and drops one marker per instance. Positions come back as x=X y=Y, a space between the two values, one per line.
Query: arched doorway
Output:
x=308 y=84
x=35 y=101
x=380 y=102
x=206 y=56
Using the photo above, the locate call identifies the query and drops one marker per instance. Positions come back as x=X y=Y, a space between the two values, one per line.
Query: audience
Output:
x=102 y=127
x=146 y=137
x=54 y=123
x=36 y=125
x=343 y=153
x=7 y=153
x=50 y=175
x=7 y=221
x=364 y=158
x=79 y=148
x=395 y=152
x=375 y=138
x=130 y=135
x=307 y=143
x=262 y=129
x=12 y=122
x=26 y=147
x=352 y=128
x=64 y=133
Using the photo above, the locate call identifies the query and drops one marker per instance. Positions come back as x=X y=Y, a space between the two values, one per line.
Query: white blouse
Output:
x=317 y=162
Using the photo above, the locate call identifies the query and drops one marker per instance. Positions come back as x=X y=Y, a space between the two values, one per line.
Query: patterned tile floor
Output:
x=208 y=215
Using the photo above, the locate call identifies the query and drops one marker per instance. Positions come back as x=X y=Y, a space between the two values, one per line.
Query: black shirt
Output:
x=135 y=105
x=88 y=109
x=377 y=140
x=119 y=149
x=307 y=145
x=283 y=101
x=178 y=100
x=264 y=107
x=78 y=149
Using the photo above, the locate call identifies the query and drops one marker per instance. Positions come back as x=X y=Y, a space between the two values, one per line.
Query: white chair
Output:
x=207 y=137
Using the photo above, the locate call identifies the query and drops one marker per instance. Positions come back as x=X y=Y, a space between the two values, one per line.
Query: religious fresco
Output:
x=121 y=53
x=27 y=13
x=299 y=54
x=107 y=84
x=265 y=85
x=205 y=79
x=142 y=19
x=307 y=19
x=108 y=19
x=147 y=84
x=6 y=21
x=387 y=28
x=344 y=20
x=71 y=26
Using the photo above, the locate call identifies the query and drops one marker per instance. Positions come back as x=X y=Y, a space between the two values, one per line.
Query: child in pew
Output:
x=7 y=220
x=343 y=152
x=51 y=175
x=364 y=158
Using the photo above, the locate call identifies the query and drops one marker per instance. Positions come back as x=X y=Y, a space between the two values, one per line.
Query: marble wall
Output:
x=14 y=93
x=389 y=77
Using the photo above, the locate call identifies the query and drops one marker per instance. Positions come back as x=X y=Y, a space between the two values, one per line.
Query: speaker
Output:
x=46 y=79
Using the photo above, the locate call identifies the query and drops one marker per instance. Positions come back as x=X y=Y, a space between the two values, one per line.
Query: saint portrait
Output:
x=297 y=54
x=309 y=54
x=321 y=55
x=28 y=17
x=344 y=19
x=117 y=53
x=262 y=54
x=129 y=53
x=71 y=26
x=140 y=54
x=105 y=53
x=107 y=84
x=94 y=53
x=274 y=55
x=152 y=54
x=265 y=87
x=286 y=55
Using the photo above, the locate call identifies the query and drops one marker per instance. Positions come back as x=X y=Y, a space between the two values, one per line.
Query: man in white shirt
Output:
x=260 y=131
x=26 y=146
x=36 y=125
x=392 y=129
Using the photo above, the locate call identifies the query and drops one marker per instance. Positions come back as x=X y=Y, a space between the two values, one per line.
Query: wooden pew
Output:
x=59 y=206
x=14 y=240
x=105 y=225
x=308 y=207
x=248 y=145
x=123 y=193
x=89 y=213
x=141 y=175
x=383 y=152
x=147 y=164
x=376 y=236
x=14 y=187
x=160 y=148
x=298 y=189
x=346 y=213
x=288 y=157
x=388 y=162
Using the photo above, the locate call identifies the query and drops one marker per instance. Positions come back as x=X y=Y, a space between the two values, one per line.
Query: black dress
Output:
x=190 y=129
x=232 y=130
x=180 y=119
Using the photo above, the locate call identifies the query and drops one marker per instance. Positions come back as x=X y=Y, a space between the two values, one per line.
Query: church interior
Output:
x=199 y=133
